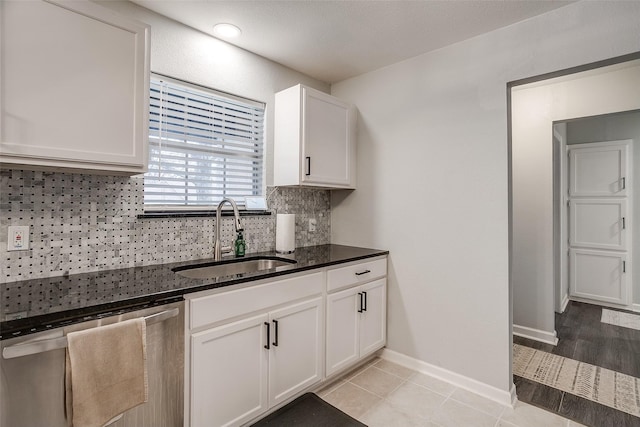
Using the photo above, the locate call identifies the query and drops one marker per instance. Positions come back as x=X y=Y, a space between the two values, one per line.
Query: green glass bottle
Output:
x=241 y=245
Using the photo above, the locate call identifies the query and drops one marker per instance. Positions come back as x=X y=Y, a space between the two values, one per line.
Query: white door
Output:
x=229 y=373
x=56 y=98
x=342 y=329
x=600 y=221
x=373 y=326
x=326 y=139
x=295 y=349
x=598 y=169
x=598 y=275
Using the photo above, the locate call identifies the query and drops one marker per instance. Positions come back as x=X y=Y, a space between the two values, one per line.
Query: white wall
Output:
x=561 y=277
x=433 y=179
x=611 y=128
x=535 y=107
x=184 y=53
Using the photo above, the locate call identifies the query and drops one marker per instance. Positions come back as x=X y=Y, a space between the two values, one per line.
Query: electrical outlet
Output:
x=18 y=238
x=312 y=225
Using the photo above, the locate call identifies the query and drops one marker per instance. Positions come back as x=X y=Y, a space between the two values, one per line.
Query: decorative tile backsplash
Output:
x=83 y=223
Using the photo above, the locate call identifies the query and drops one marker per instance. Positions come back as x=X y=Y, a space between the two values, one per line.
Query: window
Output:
x=203 y=146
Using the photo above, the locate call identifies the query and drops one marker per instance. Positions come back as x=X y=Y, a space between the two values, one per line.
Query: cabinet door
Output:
x=327 y=152
x=296 y=349
x=373 y=325
x=342 y=329
x=599 y=275
x=598 y=169
x=74 y=87
x=229 y=373
x=598 y=223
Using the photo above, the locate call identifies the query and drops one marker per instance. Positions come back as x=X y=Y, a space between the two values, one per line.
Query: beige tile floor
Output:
x=384 y=394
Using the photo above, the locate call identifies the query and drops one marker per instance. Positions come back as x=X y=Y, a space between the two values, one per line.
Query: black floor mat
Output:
x=308 y=410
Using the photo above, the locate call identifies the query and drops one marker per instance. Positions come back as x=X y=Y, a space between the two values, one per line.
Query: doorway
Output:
x=536 y=105
x=595 y=144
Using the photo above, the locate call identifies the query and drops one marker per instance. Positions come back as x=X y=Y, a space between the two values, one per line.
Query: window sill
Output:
x=197 y=214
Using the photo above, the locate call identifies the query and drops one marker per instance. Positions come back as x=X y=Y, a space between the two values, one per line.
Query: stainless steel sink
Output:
x=232 y=267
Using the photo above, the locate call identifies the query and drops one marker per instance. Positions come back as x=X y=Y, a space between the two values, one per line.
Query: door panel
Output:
x=598 y=171
x=295 y=355
x=326 y=140
x=598 y=275
x=598 y=223
x=373 y=319
x=229 y=371
x=342 y=329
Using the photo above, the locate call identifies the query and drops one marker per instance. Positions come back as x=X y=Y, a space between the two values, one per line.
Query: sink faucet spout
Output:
x=217 y=247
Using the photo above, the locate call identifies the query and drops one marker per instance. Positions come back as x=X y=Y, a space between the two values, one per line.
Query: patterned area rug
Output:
x=619 y=318
x=604 y=386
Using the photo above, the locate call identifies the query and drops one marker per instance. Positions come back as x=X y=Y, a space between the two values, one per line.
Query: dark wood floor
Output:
x=582 y=336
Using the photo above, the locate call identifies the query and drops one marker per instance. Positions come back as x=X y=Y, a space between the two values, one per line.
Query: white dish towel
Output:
x=106 y=372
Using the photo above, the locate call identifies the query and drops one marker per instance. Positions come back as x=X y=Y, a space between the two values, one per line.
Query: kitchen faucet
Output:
x=217 y=249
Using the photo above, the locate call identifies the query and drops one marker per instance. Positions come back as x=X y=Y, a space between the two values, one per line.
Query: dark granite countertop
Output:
x=52 y=302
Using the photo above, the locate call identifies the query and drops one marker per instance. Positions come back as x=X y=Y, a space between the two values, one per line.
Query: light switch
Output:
x=18 y=238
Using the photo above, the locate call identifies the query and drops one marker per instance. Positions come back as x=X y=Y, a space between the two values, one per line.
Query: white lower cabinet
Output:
x=229 y=373
x=356 y=324
x=240 y=369
x=255 y=347
x=295 y=349
x=373 y=319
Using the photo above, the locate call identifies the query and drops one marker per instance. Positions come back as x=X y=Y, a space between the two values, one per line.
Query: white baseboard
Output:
x=536 y=334
x=629 y=307
x=503 y=397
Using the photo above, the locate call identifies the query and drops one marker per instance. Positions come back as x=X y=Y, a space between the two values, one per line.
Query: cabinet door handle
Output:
x=360 y=310
x=307 y=166
x=624 y=183
x=365 y=301
x=624 y=224
x=624 y=266
x=268 y=335
x=275 y=333
x=363 y=272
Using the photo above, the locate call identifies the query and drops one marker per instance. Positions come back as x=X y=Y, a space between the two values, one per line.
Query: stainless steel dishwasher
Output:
x=32 y=385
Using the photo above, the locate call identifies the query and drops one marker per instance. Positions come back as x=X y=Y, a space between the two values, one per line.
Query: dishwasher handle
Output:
x=34 y=347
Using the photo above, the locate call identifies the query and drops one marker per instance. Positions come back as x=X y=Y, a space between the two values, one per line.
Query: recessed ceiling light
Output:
x=226 y=30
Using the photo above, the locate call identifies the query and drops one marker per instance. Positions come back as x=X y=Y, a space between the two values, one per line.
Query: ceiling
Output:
x=335 y=40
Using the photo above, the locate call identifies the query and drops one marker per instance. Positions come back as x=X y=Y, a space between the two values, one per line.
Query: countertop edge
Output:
x=34 y=324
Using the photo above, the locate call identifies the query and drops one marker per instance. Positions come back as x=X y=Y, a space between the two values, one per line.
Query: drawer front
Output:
x=210 y=309
x=354 y=274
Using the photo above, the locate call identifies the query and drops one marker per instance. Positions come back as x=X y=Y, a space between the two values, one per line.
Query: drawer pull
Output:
x=275 y=332
x=363 y=272
x=268 y=335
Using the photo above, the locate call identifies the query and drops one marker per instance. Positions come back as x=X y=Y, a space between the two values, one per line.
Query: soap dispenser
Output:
x=241 y=246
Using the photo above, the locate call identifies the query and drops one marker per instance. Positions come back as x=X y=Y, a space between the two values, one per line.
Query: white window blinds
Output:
x=203 y=146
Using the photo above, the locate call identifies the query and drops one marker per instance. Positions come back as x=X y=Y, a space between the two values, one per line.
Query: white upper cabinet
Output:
x=315 y=137
x=75 y=84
